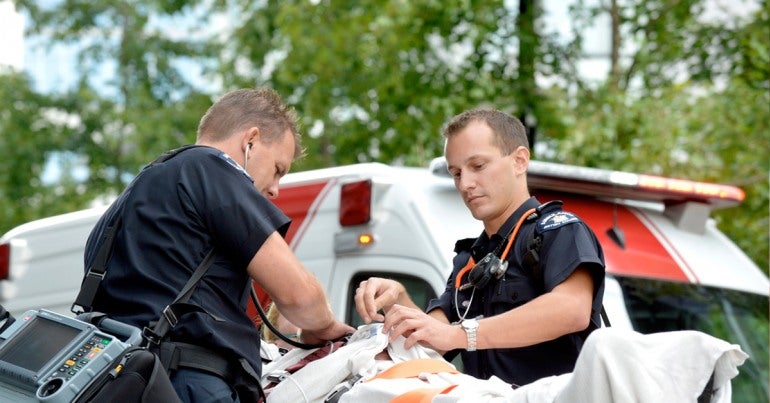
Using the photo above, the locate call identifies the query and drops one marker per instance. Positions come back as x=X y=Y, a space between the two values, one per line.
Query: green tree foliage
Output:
x=31 y=129
x=131 y=99
x=691 y=102
x=375 y=81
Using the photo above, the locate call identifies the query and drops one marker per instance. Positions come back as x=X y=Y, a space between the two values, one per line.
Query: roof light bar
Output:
x=686 y=187
x=607 y=183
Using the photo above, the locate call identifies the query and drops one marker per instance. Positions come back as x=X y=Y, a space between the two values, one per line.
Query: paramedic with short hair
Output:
x=214 y=195
x=521 y=322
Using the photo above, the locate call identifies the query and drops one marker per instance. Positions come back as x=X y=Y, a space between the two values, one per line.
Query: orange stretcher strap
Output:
x=422 y=395
x=413 y=369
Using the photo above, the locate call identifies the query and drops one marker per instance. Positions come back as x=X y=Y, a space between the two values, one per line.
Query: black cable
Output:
x=276 y=331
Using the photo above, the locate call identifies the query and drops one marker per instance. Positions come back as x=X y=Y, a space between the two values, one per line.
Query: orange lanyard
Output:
x=472 y=262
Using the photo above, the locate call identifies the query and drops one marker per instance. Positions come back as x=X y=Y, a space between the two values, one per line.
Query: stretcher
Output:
x=615 y=365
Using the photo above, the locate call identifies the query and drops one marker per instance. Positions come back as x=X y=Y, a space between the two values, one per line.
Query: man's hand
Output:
x=379 y=293
x=333 y=332
x=419 y=327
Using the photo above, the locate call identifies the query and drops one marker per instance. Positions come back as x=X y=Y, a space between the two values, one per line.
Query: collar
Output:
x=485 y=243
x=224 y=156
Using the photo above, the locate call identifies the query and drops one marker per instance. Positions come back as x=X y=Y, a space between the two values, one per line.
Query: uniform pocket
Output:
x=510 y=293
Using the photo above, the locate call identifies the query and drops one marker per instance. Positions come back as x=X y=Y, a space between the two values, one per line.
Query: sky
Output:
x=11 y=36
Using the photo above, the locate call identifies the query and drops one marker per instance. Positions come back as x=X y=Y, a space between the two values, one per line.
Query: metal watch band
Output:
x=470 y=326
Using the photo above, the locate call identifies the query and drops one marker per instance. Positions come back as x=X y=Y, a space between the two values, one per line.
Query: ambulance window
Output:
x=738 y=317
x=420 y=291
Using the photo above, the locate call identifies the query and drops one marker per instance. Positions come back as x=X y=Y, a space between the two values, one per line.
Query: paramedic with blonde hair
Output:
x=215 y=194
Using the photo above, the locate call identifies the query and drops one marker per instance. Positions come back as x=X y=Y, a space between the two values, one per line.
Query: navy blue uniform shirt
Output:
x=175 y=212
x=567 y=243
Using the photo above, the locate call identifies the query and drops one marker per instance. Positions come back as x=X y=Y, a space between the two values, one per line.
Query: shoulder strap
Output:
x=93 y=278
x=531 y=258
x=179 y=306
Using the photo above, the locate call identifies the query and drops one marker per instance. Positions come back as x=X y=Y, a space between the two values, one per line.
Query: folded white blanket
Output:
x=625 y=366
x=615 y=365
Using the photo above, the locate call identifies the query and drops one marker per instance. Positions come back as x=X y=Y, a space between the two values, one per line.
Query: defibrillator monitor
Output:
x=48 y=357
x=36 y=344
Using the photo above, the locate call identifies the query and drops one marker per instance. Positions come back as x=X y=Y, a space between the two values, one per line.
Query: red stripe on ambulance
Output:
x=300 y=203
x=645 y=254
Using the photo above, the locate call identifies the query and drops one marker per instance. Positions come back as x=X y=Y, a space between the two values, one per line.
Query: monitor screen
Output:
x=37 y=343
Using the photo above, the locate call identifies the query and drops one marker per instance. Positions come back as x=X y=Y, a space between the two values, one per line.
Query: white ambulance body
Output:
x=668 y=266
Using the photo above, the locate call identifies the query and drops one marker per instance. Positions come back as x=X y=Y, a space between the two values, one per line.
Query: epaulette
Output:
x=464 y=245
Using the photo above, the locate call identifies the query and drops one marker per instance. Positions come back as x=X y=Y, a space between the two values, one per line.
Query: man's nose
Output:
x=466 y=182
x=272 y=191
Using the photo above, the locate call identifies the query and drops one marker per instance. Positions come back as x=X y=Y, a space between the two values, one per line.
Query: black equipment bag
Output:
x=138 y=375
x=135 y=376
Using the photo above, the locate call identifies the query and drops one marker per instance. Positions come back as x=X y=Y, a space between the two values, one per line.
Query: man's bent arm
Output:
x=295 y=290
x=564 y=310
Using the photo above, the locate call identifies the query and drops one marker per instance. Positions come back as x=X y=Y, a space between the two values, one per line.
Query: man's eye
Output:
x=279 y=173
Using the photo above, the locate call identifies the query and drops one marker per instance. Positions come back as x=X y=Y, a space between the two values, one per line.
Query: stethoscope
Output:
x=472 y=264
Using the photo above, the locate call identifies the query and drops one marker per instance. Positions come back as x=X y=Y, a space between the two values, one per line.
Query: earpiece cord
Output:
x=246 y=155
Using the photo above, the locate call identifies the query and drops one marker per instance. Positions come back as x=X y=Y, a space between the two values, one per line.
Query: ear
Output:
x=520 y=160
x=249 y=138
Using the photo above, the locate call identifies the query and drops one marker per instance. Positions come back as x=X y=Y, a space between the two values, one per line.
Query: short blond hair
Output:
x=272 y=317
x=244 y=108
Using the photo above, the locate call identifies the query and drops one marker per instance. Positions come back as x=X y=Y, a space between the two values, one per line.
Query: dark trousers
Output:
x=195 y=386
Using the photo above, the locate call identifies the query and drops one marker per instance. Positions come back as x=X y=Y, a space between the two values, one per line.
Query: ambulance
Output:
x=668 y=265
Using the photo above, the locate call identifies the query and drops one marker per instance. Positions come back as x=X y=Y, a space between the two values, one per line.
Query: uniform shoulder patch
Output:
x=555 y=220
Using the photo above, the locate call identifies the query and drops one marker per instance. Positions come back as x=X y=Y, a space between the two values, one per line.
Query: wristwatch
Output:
x=471 y=326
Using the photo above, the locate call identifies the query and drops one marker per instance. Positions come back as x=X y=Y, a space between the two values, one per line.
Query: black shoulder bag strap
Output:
x=92 y=280
x=155 y=332
x=95 y=275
